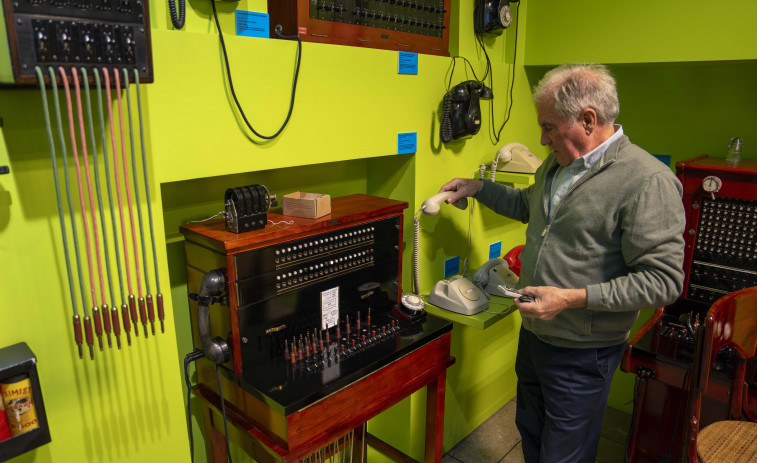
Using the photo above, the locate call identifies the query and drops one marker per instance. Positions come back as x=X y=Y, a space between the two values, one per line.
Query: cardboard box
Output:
x=308 y=205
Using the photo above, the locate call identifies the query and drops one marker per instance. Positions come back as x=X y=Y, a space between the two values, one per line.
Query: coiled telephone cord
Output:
x=177 y=19
x=416 y=245
x=445 y=132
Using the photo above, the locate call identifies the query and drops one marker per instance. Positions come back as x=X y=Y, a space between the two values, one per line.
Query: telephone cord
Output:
x=136 y=182
x=177 y=19
x=114 y=227
x=158 y=295
x=98 y=189
x=445 y=130
x=85 y=155
x=512 y=81
x=99 y=323
x=83 y=291
x=223 y=412
x=116 y=176
x=416 y=244
x=78 y=180
x=231 y=84
x=54 y=162
x=150 y=312
x=126 y=181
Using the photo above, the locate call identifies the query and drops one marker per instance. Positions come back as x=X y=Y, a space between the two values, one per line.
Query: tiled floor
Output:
x=498 y=441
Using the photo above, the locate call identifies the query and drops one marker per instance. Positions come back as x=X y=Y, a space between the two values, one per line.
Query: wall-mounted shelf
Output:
x=481 y=320
x=514 y=179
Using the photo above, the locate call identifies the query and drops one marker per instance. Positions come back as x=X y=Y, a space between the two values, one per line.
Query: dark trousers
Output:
x=562 y=396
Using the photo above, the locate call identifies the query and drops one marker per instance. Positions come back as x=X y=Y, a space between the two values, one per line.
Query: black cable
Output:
x=223 y=412
x=231 y=85
x=452 y=65
x=490 y=72
x=190 y=357
x=177 y=20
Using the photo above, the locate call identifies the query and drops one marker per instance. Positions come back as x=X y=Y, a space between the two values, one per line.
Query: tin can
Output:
x=19 y=404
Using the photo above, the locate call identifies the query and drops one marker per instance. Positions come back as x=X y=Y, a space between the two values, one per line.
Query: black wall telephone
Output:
x=461 y=116
x=492 y=17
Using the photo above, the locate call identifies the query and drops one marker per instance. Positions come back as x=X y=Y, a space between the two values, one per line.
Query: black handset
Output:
x=461 y=116
x=213 y=284
x=492 y=17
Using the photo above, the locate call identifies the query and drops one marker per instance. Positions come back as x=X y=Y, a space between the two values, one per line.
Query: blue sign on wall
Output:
x=252 y=24
x=407 y=142
x=451 y=266
x=407 y=63
x=495 y=250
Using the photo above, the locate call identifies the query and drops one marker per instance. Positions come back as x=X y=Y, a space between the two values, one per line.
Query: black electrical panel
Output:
x=80 y=33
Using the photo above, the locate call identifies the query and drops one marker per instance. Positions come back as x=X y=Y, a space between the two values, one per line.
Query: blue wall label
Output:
x=407 y=63
x=407 y=142
x=451 y=266
x=495 y=250
x=252 y=24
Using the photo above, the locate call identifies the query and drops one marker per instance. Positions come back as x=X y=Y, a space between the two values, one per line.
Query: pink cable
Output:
x=89 y=182
x=115 y=172
x=78 y=179
x=126 y=180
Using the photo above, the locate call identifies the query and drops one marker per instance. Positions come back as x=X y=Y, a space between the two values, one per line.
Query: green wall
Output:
x=685 y=90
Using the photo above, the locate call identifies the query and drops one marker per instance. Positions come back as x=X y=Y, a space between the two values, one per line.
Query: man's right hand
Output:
x=462 y=187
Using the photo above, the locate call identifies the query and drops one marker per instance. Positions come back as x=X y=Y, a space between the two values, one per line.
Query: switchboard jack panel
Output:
x=80 y=33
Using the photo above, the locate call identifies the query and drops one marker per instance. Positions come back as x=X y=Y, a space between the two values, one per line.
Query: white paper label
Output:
x=329 y=308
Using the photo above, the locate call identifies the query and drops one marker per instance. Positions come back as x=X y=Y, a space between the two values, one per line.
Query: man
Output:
x=604 y=240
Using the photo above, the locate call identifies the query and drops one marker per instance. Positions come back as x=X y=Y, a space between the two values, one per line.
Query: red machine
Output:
x=720 y=258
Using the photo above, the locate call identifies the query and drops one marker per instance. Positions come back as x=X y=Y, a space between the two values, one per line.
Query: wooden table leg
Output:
x=435 y=418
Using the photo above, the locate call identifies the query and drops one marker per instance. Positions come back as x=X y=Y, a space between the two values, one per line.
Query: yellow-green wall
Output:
x=685 y=89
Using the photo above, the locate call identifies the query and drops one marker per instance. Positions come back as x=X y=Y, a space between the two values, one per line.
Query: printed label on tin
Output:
x=19 y=406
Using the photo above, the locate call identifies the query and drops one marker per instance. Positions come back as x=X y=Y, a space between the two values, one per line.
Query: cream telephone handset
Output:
x=431 y=205
x=515 y=157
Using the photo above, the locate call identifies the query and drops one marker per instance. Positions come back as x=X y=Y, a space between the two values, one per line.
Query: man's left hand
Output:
x=549 y=301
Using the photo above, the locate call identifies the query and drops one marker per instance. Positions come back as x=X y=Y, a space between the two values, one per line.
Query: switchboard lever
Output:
x=142 y=314
x=88 y=336
x=348 y=325
x=78 y=335
x=127 y=323
x=369 y=317
x=98 y=326
x=150 y=312
x=116 y=325
x=133 y=313
x=358 y=321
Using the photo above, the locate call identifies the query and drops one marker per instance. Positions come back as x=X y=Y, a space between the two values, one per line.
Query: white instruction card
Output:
x=329 y=308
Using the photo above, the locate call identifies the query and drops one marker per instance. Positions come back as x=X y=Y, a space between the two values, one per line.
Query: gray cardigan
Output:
x=618 y=232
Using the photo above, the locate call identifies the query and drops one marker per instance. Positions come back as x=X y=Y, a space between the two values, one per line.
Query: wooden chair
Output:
x=731 y=321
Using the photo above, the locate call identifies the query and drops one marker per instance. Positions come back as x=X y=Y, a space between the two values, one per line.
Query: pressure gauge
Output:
x=711 y=184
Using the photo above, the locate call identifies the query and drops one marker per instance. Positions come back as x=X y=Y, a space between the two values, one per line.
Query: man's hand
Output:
x=462 y=187
x=549 y=301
